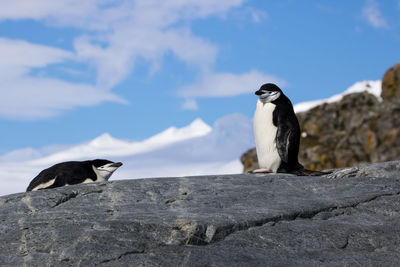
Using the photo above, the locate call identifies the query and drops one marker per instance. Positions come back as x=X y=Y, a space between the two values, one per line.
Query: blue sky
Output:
x=73 y=70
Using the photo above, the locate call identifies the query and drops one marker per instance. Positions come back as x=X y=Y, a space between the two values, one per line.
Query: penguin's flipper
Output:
x=287 y=144
x=40 y=184
x=60 y=181
x=287 y=136
x=66 y=178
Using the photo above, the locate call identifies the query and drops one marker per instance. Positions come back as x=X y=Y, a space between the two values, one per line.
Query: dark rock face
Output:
x=358 y=129
x=231 y=220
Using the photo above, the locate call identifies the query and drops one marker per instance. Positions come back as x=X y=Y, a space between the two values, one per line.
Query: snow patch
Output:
x=372 y=87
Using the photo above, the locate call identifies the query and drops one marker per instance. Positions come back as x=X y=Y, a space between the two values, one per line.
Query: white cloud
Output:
x=149 y=30
x=373 y=16
x=115 y=61
x=89 y=14
x=114 y=35
x=127 y=30
x=228 y=84
x=21 y=54
x=31 y=97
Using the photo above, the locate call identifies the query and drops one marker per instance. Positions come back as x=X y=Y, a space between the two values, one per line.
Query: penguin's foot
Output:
x=262 y=170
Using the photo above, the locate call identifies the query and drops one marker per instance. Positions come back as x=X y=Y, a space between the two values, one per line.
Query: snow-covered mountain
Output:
x=192 y=150
x=107 y=147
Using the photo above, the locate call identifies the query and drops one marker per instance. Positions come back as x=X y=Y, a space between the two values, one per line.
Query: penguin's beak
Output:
x=264 y=93
x=116 y=164
x=258 y=92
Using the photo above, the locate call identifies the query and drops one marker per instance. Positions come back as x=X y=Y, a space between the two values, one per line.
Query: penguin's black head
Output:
x=269 y=92
x=104 y=168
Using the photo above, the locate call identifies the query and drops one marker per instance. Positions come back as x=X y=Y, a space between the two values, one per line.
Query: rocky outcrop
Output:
x=391 y=84
x=357 y=129
x=230 y=220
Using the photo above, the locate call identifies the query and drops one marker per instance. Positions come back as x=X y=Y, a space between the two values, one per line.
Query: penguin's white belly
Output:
x=264 y=135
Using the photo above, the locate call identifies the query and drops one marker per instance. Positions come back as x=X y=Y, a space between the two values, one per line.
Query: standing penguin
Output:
x=277 y=133
x=74 y=172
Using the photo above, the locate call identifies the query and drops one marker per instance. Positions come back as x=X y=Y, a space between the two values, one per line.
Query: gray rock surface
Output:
x=230 y=220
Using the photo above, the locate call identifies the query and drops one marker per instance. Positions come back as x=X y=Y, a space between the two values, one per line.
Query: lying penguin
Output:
x=74 y=172
x=277 y=133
